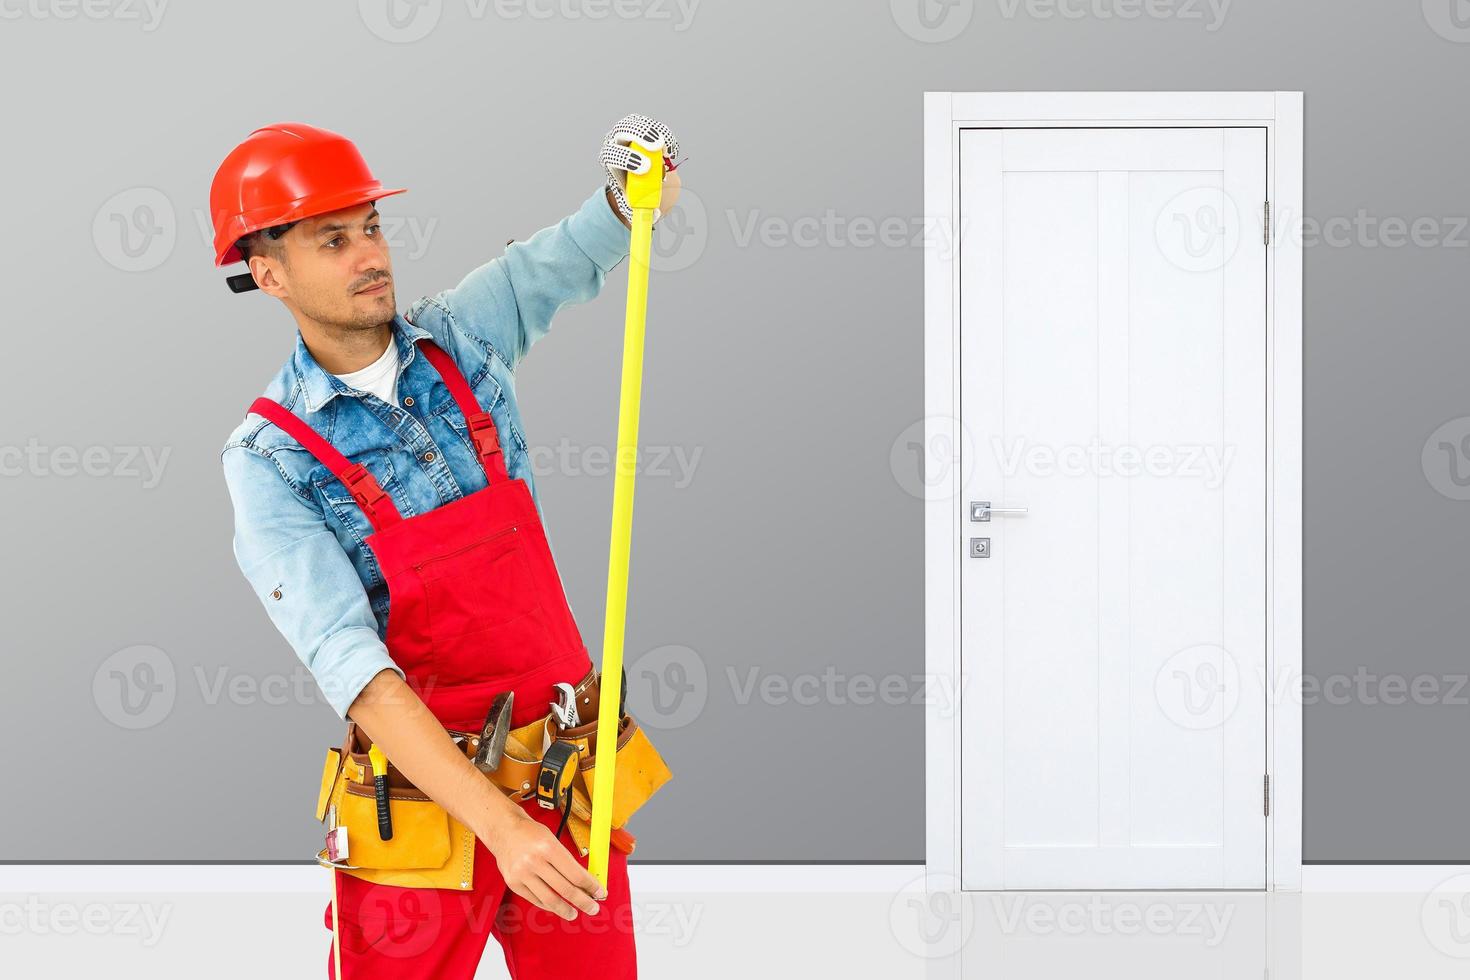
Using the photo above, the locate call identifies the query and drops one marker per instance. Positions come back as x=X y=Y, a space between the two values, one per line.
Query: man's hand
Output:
x=538 y=868
x=618 y=159
x=668 y=195
x=533 y=862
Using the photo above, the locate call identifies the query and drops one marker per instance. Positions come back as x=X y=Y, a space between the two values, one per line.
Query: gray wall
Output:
x=786 y=552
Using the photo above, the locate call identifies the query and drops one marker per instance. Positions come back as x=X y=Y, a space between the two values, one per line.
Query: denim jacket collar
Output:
x=319 y=386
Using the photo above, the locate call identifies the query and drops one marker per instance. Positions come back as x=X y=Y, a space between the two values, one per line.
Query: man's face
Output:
x=337 y=269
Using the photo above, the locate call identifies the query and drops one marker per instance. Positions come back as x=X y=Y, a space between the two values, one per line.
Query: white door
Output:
x=1113 y=385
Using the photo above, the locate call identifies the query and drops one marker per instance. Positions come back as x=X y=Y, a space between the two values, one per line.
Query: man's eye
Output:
x=374 y=228
x=335 y=240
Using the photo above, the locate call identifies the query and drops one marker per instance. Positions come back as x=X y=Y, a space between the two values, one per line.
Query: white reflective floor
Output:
x=819 y=922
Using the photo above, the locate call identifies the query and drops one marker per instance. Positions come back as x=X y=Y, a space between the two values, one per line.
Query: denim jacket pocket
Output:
x=490 y=392
x=339 y=503
x=513 y=452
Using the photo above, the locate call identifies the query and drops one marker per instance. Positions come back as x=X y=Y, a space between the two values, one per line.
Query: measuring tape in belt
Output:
x=555 y=777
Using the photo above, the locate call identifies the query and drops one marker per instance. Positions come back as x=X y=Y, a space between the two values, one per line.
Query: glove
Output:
x=618 y=159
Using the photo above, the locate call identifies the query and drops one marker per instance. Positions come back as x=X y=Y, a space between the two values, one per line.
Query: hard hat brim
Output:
x=298 y=210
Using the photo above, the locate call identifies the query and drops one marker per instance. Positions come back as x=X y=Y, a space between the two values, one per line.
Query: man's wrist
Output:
x=496 y=813
x=612 y=202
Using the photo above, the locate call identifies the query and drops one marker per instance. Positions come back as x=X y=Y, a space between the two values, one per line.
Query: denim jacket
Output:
x=298 y=533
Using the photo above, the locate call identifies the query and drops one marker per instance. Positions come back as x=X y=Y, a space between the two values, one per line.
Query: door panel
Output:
x=1112 y=346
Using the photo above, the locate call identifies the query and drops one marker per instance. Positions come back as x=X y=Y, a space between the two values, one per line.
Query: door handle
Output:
x=980 y=510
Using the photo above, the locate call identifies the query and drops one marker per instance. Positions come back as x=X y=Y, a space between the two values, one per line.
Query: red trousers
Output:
x=422 y=933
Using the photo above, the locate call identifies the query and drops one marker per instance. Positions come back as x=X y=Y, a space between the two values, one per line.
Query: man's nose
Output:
x=371 y=254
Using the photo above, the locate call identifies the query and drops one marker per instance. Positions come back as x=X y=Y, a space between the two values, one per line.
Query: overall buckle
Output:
x=482 y=431
x=364 y=488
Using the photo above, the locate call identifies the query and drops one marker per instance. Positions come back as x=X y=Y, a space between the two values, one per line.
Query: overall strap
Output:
x=482 y=426
x=366 y=490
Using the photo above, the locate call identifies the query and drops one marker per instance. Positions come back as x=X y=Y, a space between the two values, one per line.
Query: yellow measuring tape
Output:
x=643 y=191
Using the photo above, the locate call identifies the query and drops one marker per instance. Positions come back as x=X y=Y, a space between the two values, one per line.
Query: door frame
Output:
x=1280 y=113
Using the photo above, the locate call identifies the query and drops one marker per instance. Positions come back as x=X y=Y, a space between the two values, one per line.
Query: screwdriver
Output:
x=380 y=791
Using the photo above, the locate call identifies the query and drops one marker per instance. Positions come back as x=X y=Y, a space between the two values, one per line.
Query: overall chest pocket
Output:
x=482 y=607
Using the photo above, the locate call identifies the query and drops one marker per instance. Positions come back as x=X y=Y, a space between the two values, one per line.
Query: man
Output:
x=375 y=432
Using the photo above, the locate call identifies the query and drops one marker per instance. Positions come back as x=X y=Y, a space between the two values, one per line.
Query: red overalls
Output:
x=476 y=607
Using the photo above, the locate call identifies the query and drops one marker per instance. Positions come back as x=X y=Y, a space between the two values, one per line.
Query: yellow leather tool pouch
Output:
x=639 y=770
x=639 y=773
x=429 y=848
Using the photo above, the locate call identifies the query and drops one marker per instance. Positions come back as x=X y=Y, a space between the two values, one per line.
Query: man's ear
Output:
x=265 y=277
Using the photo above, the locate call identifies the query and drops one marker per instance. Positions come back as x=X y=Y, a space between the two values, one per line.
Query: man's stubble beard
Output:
x=350 y=320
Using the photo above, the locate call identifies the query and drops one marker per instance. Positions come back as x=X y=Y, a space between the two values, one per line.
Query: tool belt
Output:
x=541 y=760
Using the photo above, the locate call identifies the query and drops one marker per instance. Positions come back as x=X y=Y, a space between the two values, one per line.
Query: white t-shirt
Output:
x=379 y=377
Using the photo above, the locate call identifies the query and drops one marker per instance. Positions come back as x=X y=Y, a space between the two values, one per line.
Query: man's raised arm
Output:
x=508 y=303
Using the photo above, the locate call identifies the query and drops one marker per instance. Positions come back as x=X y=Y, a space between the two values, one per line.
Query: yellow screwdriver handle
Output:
x=379 y=763
x=643 y=192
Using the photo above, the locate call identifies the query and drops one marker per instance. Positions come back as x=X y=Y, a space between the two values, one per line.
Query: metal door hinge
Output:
x=1267 y=780
x=1266 y=239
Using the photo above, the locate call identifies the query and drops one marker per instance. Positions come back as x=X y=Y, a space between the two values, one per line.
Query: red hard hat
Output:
x=284 y=173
